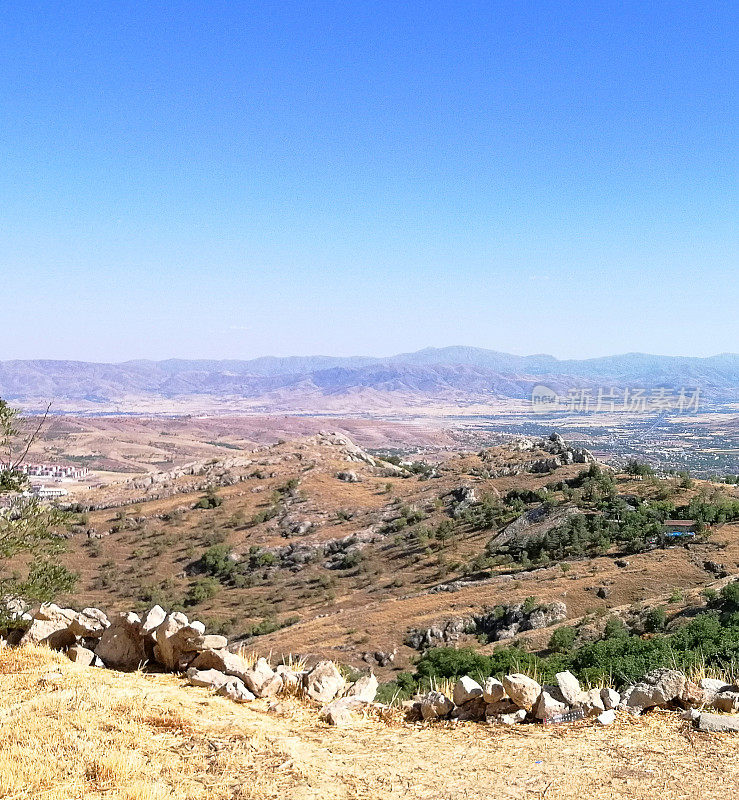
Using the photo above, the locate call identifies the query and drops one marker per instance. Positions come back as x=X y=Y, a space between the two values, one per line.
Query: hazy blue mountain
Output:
x=451 y=372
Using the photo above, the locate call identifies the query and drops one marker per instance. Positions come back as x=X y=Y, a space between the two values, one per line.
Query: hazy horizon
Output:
x=381 y=356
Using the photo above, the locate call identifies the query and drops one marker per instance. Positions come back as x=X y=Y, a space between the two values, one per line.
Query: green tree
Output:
x=26 y=527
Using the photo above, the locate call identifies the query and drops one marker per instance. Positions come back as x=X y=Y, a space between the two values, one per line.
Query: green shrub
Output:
x=269 y=625
x=210 y=500
x=615 y=628
x=216 y=561
x=730 y=594
x=529 y=604
x=656 y=620
x=201 y=590
x=562 y=639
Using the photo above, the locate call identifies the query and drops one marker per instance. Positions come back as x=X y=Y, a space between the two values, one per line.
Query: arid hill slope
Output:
x=322 y=550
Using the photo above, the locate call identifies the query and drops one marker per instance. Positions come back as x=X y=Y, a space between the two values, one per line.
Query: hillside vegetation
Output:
x=319 y=548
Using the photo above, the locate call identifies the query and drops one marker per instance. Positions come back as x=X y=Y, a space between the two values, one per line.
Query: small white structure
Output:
x=49 y=492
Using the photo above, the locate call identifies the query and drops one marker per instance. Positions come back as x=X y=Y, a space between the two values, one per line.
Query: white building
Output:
x=49 y=492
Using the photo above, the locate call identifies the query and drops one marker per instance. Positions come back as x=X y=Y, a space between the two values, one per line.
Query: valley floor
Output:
x=69 y=732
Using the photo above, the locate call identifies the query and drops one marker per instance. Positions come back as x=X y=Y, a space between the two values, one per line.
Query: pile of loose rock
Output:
x=172 y=643
x=518 y=698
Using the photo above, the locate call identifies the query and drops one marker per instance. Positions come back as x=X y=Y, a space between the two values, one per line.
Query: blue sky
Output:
x=233 y=179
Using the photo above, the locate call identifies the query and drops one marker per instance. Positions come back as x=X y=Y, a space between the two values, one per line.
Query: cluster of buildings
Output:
x=56 y=471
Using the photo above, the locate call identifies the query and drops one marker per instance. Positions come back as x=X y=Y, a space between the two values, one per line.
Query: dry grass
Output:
x=68 y=732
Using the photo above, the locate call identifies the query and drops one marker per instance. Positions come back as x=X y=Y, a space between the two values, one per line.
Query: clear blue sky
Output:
x=234 y=179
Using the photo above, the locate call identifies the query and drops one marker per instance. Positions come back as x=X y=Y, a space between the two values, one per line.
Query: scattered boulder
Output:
x=500 y=708
x=364 y=689
x=436 y=705
x=83 y=656
x=512 y=719
x=222 y=660
x=121 y=646
x=610 y=697
x=261 y=680
x=210 y=678
x=235 y=690
x=493 y=690
x=474 y=709
x=712 y=687
x=348 y=476
x=727 y=702
x=323 y=682
x=593 y=704
x=607 y=717
x=89 y=623
x=658 y=688
x=340 y=712
x=154 y=618
x=569 y=686
x=692 y=695
x=716 y=723
x=719 y=570
x=466 y=689
x=522 y=690
x=550 y=703
x=179 y=641
x=289 y=678
x=50 y=626
x=164 y=650
x=211 y=641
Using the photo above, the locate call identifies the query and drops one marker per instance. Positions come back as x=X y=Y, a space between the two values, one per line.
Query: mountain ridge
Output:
x=453 y=372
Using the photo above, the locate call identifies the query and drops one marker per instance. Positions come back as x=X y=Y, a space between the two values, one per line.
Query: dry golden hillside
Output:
x=75 y=733
x=382 y=578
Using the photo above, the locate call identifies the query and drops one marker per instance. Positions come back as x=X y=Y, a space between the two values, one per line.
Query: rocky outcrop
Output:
x=348 y=476
x=123 y=642
x=533 y=524
x=497 y=624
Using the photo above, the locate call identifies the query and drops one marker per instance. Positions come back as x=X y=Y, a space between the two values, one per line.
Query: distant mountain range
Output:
x=453 y=374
